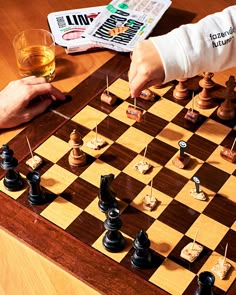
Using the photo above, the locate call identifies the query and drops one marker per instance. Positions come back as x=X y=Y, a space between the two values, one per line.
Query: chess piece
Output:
x=106 y=195
x=221 y=267
x=206 y=281
x=134 y=113
x=113 y=240
x=143 y=166
x=147 y=94
x=97 y=142
x=36 y=195
x=204 y=100
x=192 y=115
x=196 y=192
x=228 y=154
x=226 y=110
x=76 y=157
x=181 y=91
x=142 y=257
x=12 y=179
x=35 y=161
x=108 y=98
x=182 y=159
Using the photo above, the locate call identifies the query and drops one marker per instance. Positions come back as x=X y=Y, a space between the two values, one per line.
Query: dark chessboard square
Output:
x=222 y=210
x=229 y=139
x=144 y=273
x=230 y=239
x=102 y=106
x=182 y=122
x=118 y=156
x=229 y=123
x=211 y=177
x=85 y=193
x=112 y=128
x=64 y=163
x=127 y=187
x=65 y=131
x=200 y=147
x=178 y=216
x=81 y=228
x=160 y=152
x=151 y=124
x=169 y=182
x=134 y=220
x=169 y=95
x=194 y=266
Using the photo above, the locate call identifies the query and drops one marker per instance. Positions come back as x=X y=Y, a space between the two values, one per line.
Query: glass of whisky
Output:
x=35 y=53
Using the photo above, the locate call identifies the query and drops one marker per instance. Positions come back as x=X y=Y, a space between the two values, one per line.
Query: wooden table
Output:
x=22 y=267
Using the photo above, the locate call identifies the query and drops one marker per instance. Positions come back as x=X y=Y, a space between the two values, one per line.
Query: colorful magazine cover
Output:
x=121 y=24
x=68 y=28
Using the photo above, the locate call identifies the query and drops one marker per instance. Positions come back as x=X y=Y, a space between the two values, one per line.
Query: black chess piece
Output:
x=142 y=257
x=36 y=195
x=106 y=195
x=113 y=240
x=206 y=281
x=12 y=179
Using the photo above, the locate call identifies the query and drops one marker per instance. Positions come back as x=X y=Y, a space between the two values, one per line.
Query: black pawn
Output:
x=113 y=240
x=141 y=257
x=106 y=195
x=36 y=195
x=206 y=281
x=12 y=179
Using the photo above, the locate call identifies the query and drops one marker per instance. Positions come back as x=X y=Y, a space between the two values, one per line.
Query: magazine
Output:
x=68 y=27
x=117 y=26
x=121 y=24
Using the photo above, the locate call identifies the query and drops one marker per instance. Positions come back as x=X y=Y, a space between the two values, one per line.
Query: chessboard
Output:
x=69 y=229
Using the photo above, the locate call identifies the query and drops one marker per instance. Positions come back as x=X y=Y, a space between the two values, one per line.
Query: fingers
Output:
x=42 y=88
x=34 y=110
x=138 y=79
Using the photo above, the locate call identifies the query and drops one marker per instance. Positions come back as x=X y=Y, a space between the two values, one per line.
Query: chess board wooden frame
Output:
x=85 y=263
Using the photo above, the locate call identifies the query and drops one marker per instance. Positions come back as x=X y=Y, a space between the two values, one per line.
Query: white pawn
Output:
x=76 y=157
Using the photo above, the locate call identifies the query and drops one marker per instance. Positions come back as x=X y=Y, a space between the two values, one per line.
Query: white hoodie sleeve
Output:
x=209 y=45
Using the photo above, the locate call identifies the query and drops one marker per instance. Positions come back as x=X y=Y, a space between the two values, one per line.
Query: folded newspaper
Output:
x=117 y=26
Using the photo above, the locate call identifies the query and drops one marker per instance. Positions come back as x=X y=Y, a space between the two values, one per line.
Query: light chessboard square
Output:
x=61 y=212
x=56 y=179
x=210 y=232
x=120 y=88
x=172 y=277
x=89 y=117
x=53 y=149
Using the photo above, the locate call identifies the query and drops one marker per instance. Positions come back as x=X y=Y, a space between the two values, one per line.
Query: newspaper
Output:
x=121 y=24
x=68 y=27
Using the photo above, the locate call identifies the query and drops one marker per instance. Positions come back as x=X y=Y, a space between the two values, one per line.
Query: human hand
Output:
x=146 y=68
x=15 y=100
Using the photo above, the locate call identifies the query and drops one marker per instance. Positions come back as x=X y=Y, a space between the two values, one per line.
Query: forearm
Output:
x=209 y=45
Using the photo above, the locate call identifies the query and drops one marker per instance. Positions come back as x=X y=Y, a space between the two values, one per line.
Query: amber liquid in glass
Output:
x=37 y=61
